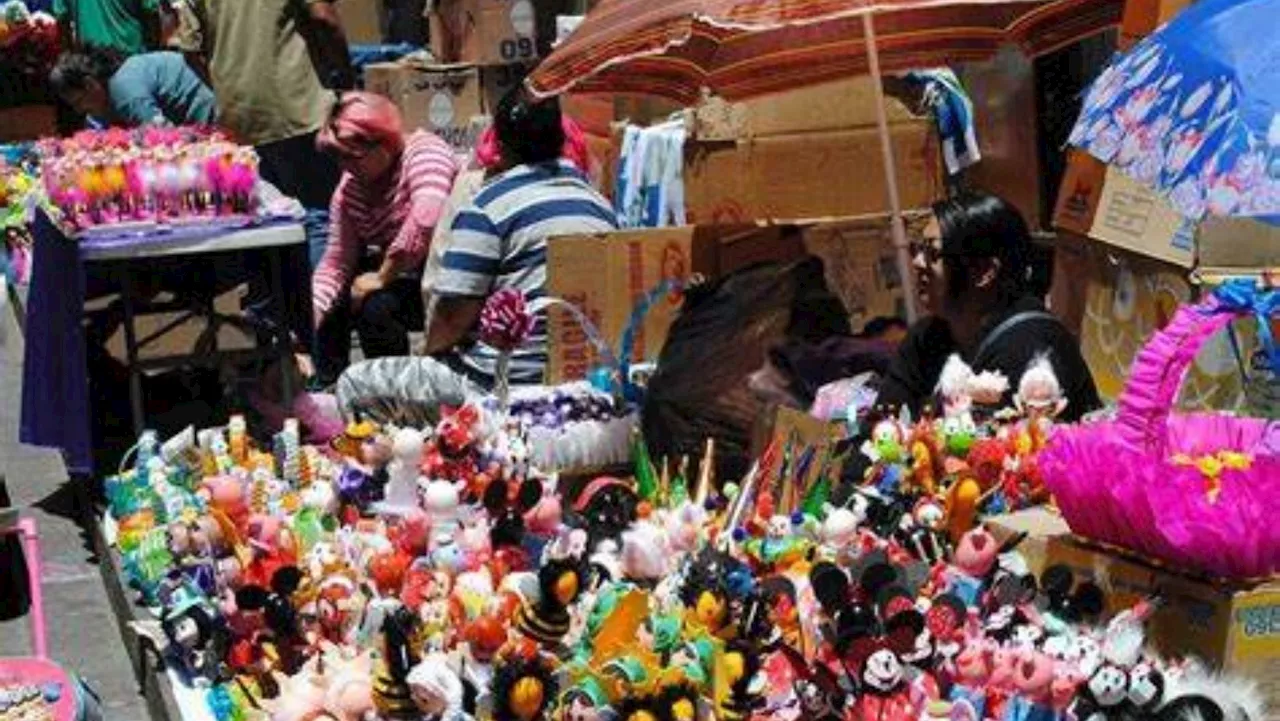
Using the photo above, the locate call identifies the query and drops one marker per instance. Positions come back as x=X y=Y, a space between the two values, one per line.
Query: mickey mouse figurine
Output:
x=507 y=510
x=196 y=635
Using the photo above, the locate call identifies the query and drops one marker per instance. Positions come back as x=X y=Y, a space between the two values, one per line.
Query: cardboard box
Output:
x=1079 y=193
x=484 y=32
x=444 y=99
x=1132 y=216
x=1042 y=525
x=386 y=79
x=1238 y=246
x=1101 y=202
x=1234 y=626
x=811 y=176
x=830 y=106
x=605 y=274
x=362 y=21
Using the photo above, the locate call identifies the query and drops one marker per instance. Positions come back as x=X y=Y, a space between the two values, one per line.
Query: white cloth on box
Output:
x=649 y=192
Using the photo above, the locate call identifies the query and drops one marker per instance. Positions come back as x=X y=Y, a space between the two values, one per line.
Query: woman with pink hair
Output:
x=387 y=204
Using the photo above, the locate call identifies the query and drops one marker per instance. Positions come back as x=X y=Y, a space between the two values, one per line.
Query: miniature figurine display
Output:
x=143 y=178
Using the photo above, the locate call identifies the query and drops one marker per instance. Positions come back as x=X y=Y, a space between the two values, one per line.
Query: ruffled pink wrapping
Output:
x=1115 y=481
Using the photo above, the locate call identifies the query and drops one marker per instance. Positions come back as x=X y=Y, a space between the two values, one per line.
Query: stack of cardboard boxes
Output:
x=807 y=154
x=482 y=49
x=765 y=180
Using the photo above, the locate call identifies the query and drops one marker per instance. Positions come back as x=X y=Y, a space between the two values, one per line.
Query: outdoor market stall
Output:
x=131 y=206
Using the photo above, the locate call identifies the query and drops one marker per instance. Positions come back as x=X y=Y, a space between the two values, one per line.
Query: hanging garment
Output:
x=953 y=112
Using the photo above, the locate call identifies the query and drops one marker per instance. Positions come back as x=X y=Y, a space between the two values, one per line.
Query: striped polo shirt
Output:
x=397 y=217
x=500 y=241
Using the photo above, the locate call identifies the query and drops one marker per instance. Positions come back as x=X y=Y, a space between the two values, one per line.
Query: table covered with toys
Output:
x=453 y=571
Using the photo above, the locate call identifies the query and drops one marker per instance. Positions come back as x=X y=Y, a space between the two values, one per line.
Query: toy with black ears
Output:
x=279 y=613
x=1068 y=601
x=524 y=684
x=604 y=508
x=507 y=504
x=817 y=689
x=1198 y=695
x=391 y=692
x=197 y=636
x=706 y=592
x=560 y=582
x=1105 y=695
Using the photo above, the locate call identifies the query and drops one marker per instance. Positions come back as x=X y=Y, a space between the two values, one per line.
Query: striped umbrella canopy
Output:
x=744 y=48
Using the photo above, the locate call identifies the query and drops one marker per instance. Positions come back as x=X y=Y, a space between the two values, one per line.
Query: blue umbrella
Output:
x=1194 y=110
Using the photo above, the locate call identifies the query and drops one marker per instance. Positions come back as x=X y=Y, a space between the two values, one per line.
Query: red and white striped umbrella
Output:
x=746 y=48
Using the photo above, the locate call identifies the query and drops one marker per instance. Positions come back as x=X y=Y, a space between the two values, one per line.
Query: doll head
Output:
x=1033 y=674
x=977 y=552
x=434 y=686
x=973 y=664
x=349 y=696
x=840 y=527
x=644 y=552
x=1039 y=393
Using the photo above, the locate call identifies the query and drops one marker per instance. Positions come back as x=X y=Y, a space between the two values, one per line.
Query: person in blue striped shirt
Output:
x=498 y=241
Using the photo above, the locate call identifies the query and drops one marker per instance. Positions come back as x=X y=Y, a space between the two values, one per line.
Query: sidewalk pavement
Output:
x=83 y=632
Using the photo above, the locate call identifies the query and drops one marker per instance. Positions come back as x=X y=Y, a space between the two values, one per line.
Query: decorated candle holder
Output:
x=120 y=178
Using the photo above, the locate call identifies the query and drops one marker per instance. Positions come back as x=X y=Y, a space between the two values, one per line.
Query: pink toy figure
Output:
x=974 y=559
x=226 y=494
x=1066 y=682
x=134 y=189
x=544 y=518
x=1033 y=676
x=973 y=669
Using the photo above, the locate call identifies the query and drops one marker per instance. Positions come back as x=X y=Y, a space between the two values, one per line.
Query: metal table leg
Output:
x=284 y=346
x=131 y=353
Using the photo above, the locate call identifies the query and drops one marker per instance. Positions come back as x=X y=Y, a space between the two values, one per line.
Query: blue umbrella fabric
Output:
x=1194 y=110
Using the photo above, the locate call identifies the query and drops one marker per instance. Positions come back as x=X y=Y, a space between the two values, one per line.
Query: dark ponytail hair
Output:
x=75 y=68
x=980 y=226
x=529 y=131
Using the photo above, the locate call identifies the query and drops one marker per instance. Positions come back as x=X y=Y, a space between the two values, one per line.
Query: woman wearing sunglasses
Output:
x=387 y=204
x=973 y=277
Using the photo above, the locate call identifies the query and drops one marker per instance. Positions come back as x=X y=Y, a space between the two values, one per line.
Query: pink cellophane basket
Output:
x=1117 y=481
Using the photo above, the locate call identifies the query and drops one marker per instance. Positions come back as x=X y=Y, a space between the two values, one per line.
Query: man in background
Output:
x=128 y=26
x=268 y=62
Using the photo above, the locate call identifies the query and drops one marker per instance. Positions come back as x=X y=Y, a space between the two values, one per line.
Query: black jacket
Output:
x=913 y=374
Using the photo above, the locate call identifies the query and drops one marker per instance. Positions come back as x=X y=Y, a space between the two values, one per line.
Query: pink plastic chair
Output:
x=75 y=702
x=11 y=522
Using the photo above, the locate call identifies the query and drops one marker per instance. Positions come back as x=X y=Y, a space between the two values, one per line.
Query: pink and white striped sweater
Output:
x=399 y=218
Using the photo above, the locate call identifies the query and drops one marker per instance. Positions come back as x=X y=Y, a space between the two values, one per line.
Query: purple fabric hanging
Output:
x=55 y=379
